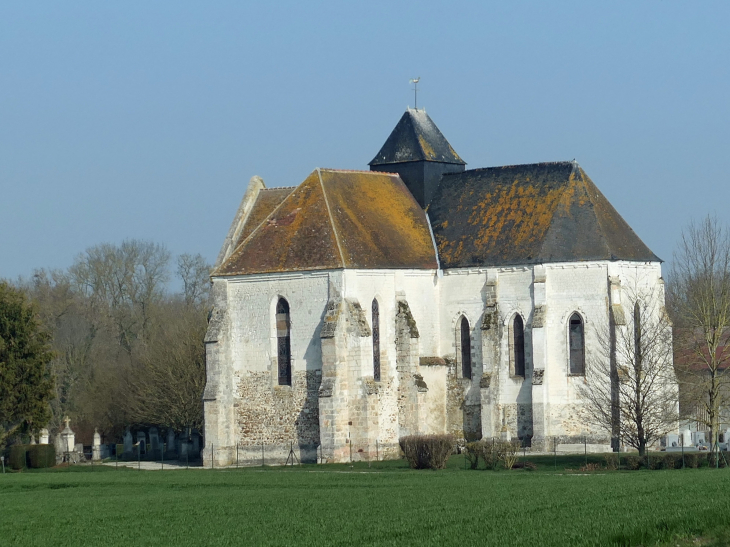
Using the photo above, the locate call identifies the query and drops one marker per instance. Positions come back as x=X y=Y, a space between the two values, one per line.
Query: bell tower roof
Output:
x=416 y=138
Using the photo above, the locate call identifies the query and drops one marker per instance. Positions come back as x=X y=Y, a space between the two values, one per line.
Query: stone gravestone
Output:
x=96 y=447
x=142 y=442
x=44 y=436
x=128 y=444
x=672 y=440
x=195 y=449
x=170 y=440
x=58 y=444
x=68 y=437
x=154 y=442
x=685 y=437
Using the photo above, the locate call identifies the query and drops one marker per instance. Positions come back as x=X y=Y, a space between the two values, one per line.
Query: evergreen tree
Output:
x=26 y=385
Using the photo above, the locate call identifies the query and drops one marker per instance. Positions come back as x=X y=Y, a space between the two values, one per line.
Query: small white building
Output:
x=418 y=297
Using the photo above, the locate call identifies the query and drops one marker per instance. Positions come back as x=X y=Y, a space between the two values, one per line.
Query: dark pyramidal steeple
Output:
x=419 y=153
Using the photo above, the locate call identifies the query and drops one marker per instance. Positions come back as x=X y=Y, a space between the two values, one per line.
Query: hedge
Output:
x=42 y=455
x=18 y=456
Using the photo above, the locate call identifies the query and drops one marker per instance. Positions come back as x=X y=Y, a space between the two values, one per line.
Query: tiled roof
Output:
x=267 y=200
x=337 y=219
x=416 y=138
x=527 y=214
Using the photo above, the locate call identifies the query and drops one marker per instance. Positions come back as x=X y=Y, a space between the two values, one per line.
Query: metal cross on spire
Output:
x=415 y=81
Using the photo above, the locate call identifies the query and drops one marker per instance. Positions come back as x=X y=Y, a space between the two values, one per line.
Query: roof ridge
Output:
x=511 y=165
x=331 y=169
x=332 y=220
x=277 y=188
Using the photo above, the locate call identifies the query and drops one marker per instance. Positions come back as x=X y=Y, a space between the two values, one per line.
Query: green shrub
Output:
x=526 y=465
x=657 y=462
x=472 y=453
x=120 y=451
x=611 y=462
x=692 y=460
x=427 y=451
x=671 y=461
x=18 y=458
x=489 y=454
x=507 y=452
x=41 y=455
x=633 y=462
x=714 y=461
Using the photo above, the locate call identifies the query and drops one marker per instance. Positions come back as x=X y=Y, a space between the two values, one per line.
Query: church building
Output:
x=417 y=297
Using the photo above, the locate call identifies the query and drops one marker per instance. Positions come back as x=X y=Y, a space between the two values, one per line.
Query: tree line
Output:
x=114 y=346
x=106 y=343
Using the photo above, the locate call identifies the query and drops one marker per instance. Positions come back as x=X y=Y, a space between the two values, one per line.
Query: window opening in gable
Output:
x=517 y=346
x=465 y=339
x=576 y=337
x=376 y=341
x=283 y=341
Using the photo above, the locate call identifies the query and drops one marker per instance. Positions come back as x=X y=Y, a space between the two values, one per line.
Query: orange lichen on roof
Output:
x=267 y=200
x=378 y=223
x=428 y=152
x=338 y=219
x=528 y=214
x=304 y=241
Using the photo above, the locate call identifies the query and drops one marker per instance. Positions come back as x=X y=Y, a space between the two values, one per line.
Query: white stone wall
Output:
x=437 y=301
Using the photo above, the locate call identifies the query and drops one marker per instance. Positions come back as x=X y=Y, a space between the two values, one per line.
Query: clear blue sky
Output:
x=147 y=119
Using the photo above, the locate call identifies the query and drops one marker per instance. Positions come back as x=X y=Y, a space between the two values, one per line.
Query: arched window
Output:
x=376 y=341
x=283 y=341
x=576 y=341
x=517 y=347
x=465 y=346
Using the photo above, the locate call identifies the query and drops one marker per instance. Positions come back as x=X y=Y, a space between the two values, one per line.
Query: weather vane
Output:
x=415 y=81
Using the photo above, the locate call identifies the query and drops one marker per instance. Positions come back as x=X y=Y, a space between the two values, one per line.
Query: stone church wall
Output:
x=421 y=389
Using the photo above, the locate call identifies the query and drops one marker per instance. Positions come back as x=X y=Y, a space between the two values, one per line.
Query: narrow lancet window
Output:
x=376 y=341
x=283 y=339
x=517 y=346
x=465 y=348
x=576 y=337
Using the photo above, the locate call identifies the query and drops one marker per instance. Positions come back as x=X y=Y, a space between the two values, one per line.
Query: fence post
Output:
x=212 y=464
x=262 y=454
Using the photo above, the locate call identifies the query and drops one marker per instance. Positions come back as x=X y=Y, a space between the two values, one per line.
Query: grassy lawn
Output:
x=386 y=504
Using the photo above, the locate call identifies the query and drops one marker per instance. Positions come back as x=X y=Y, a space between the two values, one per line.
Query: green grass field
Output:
x=386 y=504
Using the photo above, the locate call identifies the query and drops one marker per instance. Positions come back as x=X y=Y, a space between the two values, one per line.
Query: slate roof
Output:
x=416 y=138
x=528 y=214
x=336 y=219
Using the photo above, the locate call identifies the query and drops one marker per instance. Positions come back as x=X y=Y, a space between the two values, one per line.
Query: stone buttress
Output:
x=218 y=395
x=489 y=382
x=348 y=404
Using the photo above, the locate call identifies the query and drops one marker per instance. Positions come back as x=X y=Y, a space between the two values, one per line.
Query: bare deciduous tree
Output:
x=194 y=272
x=167 y=382
x=636 y=350
x=124 y=282
x=699 y=293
